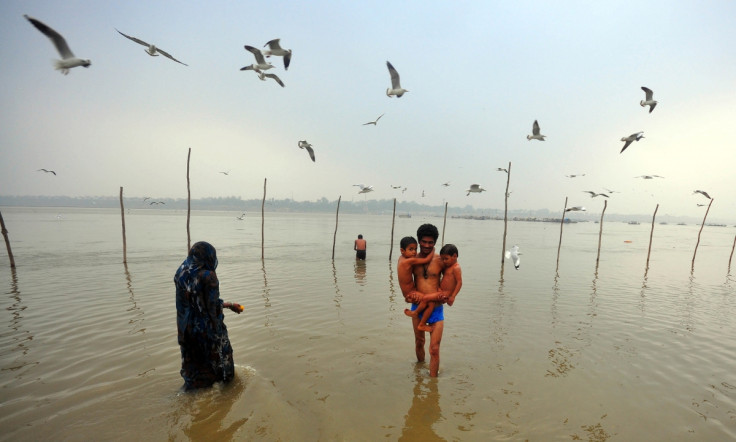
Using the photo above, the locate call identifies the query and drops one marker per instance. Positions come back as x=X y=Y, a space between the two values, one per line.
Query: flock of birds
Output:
x=261 y=65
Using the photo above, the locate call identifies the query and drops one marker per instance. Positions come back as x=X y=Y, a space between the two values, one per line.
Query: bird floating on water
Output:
x=275 y=77
x=630 y=139
x=260 y=65
x=474 y=188
x=46 y=170
x=395 y=88
x=304 y=145
x=648 y=177
x=575 y=209
x=535 y=133
x=514 y=255
x=593 y=194
x=274 y=48
x=374 y=122
x=649 y=101
x=151 y=49
x=364 y=188
x=68 y=60
x=702 y=192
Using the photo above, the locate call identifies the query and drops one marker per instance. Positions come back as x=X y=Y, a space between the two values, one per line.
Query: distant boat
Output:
x=681 y=224
x=634 y=223
x=405 y=215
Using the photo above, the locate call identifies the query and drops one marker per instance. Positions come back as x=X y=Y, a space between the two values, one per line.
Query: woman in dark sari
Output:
x=206 y=353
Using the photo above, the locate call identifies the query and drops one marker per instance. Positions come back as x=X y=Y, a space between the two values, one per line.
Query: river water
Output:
x=323 y=350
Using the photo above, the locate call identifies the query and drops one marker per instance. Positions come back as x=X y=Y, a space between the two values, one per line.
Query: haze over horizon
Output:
x=478 y=75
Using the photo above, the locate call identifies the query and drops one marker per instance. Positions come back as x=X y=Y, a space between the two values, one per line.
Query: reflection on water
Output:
x=136 y=321
x=360 y=267
x=425 y=410
x=20 y=338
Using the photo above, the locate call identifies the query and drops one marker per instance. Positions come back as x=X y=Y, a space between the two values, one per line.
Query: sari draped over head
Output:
x=206 y=353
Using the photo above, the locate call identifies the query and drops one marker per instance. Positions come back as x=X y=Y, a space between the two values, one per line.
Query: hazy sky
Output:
x=479 y=74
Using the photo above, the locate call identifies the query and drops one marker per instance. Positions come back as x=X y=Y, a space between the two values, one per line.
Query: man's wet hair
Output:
x=428 y=230
x=407 y=241
x=449 y=249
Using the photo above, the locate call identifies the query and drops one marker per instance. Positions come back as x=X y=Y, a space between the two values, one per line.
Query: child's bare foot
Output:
x=412 y=313
x=425 y=327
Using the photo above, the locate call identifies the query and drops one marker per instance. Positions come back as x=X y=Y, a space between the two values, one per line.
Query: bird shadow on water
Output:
x=424 y=411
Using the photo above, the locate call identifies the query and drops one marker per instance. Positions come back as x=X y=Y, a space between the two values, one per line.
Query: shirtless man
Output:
x=359 y=247
x=427 y=280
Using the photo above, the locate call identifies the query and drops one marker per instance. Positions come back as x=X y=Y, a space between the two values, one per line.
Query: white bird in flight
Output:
x=535 y=133
x=704 y=193
x=575 y=209
x=649 y=101
x=514 y=255
x=648 y=177
x=275 y=77
x=374 y=122
x=501 y=169
x=364 y=188
x=68 y=60
x=395 y=88
x=573 y=176
x=593 y=194
x=474 y=188
x=304 y=145
x=274 y=48
x=151 y=49
x=260 y=65
x=630 y=139
x=46 y=170
x=447 y=184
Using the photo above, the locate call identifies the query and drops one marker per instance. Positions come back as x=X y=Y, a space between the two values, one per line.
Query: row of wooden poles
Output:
x=390 y=255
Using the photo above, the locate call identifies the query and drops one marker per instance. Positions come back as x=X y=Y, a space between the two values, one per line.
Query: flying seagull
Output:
x=474 y=188
x=573 y=176
x=225 y=173
x=648 y=177
x=241 y=217
x=68 y=60
x=274 y=48
x=501 y=169
x=593 y=194
x=374 y=122
x=611 y=191
x=575 y=209
x=304 y=145
x=151 y=49
x=514 y=255
x=395 y=187
x=651 y=102
x=447 y=184
x=47 y=171
x=275 y=77
x=535 y=133
x=261 y=64
x=630 y=139
x=364 y=188
x=704 y=193
x=395 y=88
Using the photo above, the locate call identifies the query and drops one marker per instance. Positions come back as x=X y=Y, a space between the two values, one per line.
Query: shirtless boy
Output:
x=427 y=280
x=407 y=261
x=452 y=275
x=450 y=284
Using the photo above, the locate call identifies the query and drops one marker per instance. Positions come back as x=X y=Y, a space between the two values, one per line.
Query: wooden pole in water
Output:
x=692 y=267
x=10 y=252
x=600 y=234
x=651 y=234
x=122 y=216
x=562 y=222
x=189 y=203
x=393 y=220
x=444 y=222
x=729 y=258
x=334 y=237
x=263 y=219
x=506 y=218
